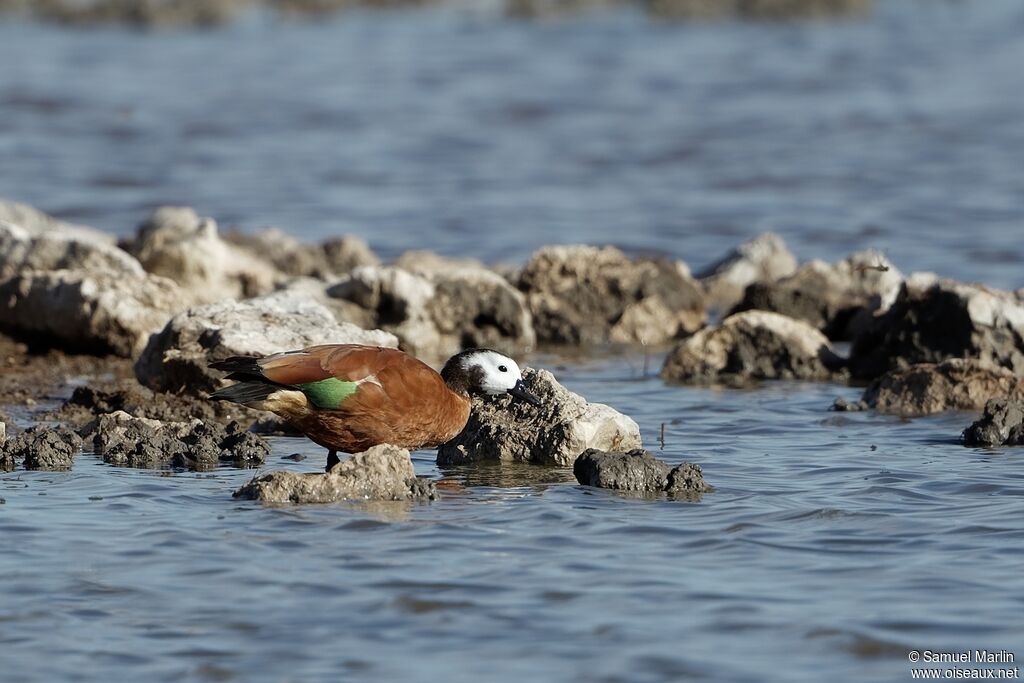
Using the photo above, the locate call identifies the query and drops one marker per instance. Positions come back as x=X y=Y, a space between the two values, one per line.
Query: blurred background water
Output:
x=834 y=544
x=476 y=135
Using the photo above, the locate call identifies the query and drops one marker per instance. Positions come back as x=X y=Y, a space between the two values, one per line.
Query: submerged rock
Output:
x=441 y=311
x=637 y=470
x=839 y=299
x=752 y=345
x=591 y=295
x=1001 y=425
x=176 y=359
x=928 y=388
x=41 y=448
x=553 y=433
x=128 y=441
x=763 y=259
x=934 y=319
x=383 y=472
x=88 y=311
x=175 y=243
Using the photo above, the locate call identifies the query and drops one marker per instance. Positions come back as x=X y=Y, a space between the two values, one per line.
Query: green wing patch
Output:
x=328 y=393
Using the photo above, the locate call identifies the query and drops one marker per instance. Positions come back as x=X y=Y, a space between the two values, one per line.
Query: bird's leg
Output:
x=332 y=459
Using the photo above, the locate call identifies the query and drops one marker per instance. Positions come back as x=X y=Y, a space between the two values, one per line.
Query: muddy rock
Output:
x=38 y=223
x=92 y=312
x=757 y=9
x=54 y=249
x=637 y=470
x=42 y=448
x=439 y=312
x=382 y=473
x=176 y=358
x=753 y=345
x=934 y=319
x=175 y=243
x=763 y=259
x=591 y=295
x=128 y=441
x=1002 y=424
x=553 y=433
x=687 y=478
x=839 y=299
x=954 y=384
x=88 y=402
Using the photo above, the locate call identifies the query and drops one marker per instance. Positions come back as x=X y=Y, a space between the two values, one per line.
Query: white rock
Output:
x=176 y=358
x=89 y=311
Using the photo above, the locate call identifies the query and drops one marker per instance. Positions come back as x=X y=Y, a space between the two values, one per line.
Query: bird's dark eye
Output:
x=502 y=368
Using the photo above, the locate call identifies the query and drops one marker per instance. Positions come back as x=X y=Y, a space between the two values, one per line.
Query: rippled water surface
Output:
x=834 y=544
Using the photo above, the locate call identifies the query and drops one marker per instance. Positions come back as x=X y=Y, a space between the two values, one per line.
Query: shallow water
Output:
x=834 y=544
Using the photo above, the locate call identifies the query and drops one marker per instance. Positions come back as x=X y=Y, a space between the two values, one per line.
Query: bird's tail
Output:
x=239 y=367
x=245 y=392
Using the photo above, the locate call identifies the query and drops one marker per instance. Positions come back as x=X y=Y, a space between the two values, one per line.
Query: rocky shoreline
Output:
x=132 y=326
x=206 y=13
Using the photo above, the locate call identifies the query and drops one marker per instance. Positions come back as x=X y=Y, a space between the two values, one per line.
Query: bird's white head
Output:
x=483 y=371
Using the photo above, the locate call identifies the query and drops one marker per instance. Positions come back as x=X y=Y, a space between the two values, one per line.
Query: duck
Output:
x=350 y=397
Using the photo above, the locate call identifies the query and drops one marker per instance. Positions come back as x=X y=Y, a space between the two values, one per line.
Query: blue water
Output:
x=477 y=136
x=834 y=543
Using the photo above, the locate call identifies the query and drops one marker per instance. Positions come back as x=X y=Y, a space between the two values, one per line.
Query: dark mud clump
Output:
x=382 y=473
x=41 y=448
x=638 y=470
x=1001 y=425
x=128 y=396
x=128 y=441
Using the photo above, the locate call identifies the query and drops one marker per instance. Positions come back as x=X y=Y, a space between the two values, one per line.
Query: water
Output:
x=477 y=136
x=834 y=544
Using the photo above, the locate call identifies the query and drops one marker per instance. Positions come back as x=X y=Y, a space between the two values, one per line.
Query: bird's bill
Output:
x=521 y=392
